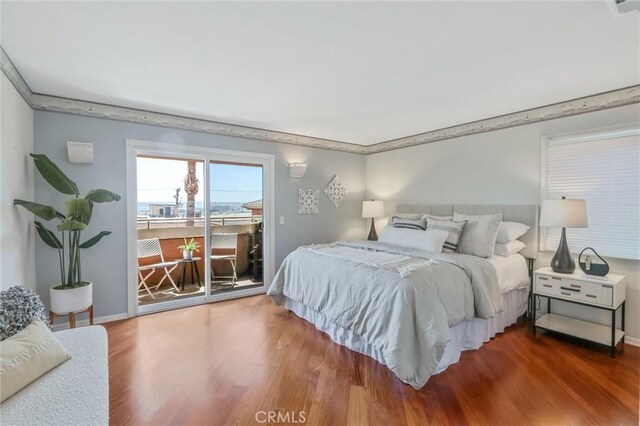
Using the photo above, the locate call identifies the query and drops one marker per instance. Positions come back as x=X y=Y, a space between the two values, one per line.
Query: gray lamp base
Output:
x=562 y=262
x=373 y=235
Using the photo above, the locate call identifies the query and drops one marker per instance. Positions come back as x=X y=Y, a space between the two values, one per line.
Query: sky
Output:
x=159 y=178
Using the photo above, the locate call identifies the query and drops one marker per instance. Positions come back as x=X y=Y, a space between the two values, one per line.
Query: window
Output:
x=603 y=168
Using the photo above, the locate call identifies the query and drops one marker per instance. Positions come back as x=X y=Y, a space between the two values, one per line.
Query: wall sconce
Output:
x=297 y=170
x=80 y=152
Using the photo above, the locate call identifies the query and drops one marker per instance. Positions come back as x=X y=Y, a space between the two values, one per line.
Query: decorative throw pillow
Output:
x=429 y=240
x=28 y=355
x=18 y=307
x=399 y=222
x=440 y=218
x=510 y=248
x=509 y=231
x=479 y=237
x=454 y=232
x=412 y=216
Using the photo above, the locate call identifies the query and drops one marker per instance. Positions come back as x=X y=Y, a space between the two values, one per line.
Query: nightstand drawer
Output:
x=570 y=292
x=547 y=285
x=588 y=292
x=572 y=289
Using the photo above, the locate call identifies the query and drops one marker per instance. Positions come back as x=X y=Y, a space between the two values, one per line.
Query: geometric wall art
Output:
x=336 y=191
x=308 y=201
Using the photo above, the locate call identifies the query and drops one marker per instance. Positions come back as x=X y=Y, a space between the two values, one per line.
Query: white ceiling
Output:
x=355 y=72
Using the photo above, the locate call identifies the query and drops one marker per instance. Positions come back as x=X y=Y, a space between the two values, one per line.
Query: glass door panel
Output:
x=236 y=212
x=170 y=215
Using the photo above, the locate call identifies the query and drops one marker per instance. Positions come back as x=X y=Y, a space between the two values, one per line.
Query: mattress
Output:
x=466 y=335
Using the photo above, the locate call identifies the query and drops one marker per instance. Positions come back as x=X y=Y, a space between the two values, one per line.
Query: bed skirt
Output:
x=464 y=336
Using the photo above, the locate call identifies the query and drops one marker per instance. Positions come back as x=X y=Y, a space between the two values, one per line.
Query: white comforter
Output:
x=406 y=317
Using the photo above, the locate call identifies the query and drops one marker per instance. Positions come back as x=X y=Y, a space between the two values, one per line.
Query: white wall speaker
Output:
x=80 y=152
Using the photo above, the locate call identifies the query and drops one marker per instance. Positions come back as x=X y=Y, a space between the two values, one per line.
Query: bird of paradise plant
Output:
x=76 y=217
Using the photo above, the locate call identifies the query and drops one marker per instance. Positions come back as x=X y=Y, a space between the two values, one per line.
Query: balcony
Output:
x=172 y=231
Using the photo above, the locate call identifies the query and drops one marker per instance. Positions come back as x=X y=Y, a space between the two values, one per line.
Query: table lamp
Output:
x=372 y=209
x=565 y=214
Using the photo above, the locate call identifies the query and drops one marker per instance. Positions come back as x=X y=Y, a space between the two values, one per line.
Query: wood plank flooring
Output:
x=225 y=363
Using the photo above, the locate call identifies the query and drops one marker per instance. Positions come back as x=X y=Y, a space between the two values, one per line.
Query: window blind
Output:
x=603 y=169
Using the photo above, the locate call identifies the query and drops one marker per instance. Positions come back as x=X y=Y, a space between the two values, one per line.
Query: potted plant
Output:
x=188 y=248
x=72 y=294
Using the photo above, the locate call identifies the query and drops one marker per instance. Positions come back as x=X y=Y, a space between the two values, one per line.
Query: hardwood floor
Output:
x=225 y=363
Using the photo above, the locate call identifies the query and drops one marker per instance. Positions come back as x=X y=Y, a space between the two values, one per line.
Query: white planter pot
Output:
x=187 y=255
x=71 y=300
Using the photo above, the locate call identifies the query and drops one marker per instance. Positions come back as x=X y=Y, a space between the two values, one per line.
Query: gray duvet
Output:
x=406 y=318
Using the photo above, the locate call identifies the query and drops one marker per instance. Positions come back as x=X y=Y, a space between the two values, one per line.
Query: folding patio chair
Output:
x=151 y=248
x=230 y=243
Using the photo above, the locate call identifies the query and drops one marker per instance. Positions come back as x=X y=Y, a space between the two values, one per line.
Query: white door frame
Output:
x=133 y=149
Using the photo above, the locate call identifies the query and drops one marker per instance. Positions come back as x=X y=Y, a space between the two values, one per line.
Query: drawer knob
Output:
x=593 y=296
x=565 y=294
x=547 y=285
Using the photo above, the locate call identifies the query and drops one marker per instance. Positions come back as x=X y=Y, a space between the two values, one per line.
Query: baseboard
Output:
x=85 y=322
x=633 y=341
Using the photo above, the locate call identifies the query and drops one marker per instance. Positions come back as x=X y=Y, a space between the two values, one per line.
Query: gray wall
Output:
x=17 y=253
x=105 y=264
x=500 y=167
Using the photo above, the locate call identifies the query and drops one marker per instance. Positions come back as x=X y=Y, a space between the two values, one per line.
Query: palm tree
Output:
x=191 y=188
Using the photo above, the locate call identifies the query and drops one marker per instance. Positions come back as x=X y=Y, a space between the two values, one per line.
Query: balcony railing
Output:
x=177 y=222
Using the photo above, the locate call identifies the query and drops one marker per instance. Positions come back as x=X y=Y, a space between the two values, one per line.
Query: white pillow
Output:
x=429 y=240
x=509 y=231
x=479 y=236
x=507 y=249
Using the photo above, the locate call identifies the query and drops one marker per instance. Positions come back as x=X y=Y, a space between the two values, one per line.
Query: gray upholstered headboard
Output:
x=527 y=214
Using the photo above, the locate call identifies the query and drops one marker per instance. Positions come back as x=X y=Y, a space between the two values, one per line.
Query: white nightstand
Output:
x=607 y=293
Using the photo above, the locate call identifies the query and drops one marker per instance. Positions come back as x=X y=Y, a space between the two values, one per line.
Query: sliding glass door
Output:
x=201 y=225
x=236 y=225
x=170 y=228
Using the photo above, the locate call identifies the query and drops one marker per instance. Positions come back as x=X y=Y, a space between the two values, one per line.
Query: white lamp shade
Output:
x=372 y=209
x=297 y=170
x=564 y=213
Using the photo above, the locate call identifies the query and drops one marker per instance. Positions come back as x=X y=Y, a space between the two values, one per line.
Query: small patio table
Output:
x=193 y=266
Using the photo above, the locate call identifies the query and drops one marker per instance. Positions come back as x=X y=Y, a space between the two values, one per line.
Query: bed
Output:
x=411 y=310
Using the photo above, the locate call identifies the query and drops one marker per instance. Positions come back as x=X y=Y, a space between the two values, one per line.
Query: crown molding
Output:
x=14 y=77
x=112 y=112
x=615 y=98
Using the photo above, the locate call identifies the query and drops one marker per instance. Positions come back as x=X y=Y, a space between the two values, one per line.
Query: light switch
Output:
x=281 y=220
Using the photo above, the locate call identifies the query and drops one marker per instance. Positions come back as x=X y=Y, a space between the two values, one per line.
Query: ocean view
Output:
x=222 y=208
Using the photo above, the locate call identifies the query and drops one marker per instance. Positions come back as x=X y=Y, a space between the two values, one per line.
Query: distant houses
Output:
x=254 y=206
x=162 y=210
